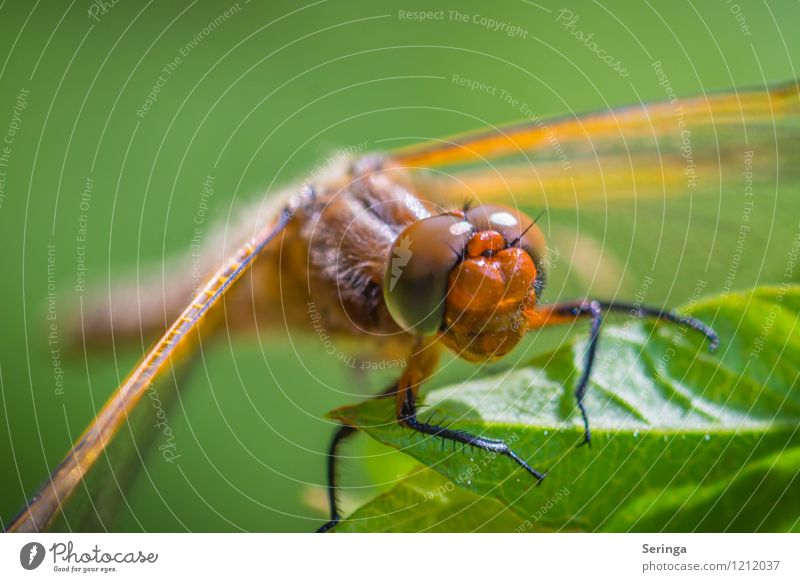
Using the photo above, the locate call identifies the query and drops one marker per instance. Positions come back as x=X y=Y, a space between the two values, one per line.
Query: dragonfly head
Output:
x=469 y=276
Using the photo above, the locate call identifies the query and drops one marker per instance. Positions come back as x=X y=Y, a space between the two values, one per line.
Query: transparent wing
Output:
x=176 y=343
x=691 y=145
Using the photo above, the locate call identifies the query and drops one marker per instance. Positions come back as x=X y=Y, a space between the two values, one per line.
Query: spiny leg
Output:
x=593 y=310
x=566 y=312
x=340 y=435
x=407 y=417
x=643 y=312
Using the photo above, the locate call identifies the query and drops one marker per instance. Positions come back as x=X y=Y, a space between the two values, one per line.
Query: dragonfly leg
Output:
x=420 y=366
x=340 y=435
x=643 y=312
x=591 y=309
x=408 y=418
x=560 y=313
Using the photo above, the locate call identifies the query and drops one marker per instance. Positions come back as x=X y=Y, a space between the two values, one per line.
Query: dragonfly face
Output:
x=470 y=274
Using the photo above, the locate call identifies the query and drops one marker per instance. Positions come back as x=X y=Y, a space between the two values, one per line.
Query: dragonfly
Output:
x=425 y=248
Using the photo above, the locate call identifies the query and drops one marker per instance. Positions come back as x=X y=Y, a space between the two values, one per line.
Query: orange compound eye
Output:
x=516 y=227
x=417 y=273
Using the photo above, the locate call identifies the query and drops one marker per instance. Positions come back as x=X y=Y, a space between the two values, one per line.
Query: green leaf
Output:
x=682 y=439
x=427 y=502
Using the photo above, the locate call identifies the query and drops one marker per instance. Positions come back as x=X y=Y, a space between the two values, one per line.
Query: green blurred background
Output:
x=261 y=99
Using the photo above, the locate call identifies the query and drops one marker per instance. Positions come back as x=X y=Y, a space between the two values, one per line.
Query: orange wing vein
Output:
x=656 y=149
